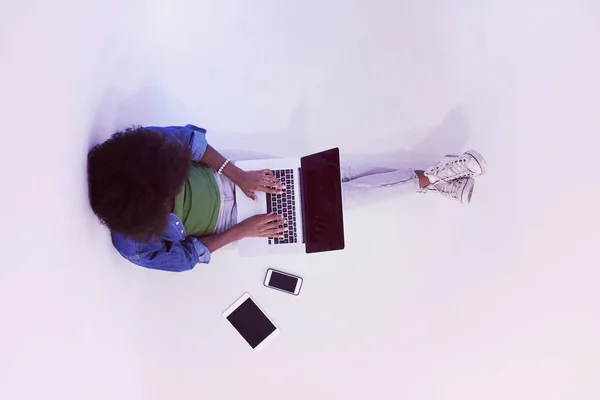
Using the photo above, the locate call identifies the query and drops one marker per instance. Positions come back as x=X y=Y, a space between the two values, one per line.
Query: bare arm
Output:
x=249 y=181
x=215 y=242
x=215 y=160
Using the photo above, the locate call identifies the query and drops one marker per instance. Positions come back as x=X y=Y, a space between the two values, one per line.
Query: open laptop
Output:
x=311 y=205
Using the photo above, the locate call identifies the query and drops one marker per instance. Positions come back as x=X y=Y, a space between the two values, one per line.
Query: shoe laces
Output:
x=454 y=169
x=447 y=188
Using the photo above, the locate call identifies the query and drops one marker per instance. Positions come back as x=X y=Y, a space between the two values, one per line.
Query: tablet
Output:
x=251 y=322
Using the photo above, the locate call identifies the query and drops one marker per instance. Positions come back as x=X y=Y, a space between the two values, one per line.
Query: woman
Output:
x=168 y=197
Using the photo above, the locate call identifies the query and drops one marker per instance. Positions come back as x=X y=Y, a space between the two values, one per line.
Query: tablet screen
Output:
x=251 y=323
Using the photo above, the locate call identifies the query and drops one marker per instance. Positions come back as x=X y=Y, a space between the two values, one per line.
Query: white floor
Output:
x=431 y=300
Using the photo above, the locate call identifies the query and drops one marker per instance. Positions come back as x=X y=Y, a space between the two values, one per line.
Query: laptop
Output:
x=311 y=205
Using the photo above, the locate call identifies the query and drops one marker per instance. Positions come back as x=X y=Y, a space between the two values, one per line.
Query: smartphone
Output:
x=283 y=281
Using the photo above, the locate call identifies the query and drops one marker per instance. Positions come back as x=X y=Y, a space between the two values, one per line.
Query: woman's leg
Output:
x=451 y=177
x=367 y=184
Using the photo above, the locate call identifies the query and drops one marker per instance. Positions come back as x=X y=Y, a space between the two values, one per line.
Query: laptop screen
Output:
x=322 y=201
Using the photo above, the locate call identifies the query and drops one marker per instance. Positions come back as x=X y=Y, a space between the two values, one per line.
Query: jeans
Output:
x=362 y=184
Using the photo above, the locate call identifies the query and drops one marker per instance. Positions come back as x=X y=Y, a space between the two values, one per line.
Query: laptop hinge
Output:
x=302 y=205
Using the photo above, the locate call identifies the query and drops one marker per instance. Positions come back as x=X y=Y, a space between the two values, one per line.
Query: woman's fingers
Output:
x=275 y=232
x=271 y=218
x=273 y=183
x=266 y=182
x=270 y=179
x=269 y=176
x=266 y=172
x=271 y=190
x=268 y=225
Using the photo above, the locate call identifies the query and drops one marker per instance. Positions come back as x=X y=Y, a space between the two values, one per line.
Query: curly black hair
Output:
x=133 y=177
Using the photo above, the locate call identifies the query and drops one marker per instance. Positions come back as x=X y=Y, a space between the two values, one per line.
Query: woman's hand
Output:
x=258 y=181
x=262 y=225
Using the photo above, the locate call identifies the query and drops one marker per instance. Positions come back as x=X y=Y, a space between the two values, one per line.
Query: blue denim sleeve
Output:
x=163 y=255
x=194 y=136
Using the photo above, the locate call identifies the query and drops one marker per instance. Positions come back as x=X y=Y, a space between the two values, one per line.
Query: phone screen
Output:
x=283 y=282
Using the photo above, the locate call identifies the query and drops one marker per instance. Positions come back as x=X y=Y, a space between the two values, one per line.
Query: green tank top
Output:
x=197 y=204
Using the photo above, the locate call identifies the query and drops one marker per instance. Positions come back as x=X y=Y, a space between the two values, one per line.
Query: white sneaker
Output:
x=468 y=165
x=459 y=189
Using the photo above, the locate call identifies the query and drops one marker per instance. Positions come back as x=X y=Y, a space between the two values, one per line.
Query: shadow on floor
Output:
x=449 y=137
x=153 y=106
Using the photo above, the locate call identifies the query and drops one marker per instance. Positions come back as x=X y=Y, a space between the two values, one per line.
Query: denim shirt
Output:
x=174 y=251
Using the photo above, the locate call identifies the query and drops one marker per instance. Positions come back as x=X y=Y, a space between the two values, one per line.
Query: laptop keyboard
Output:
x=284 y=204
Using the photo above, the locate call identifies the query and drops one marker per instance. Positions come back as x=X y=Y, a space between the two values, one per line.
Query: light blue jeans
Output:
x=362 y=184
